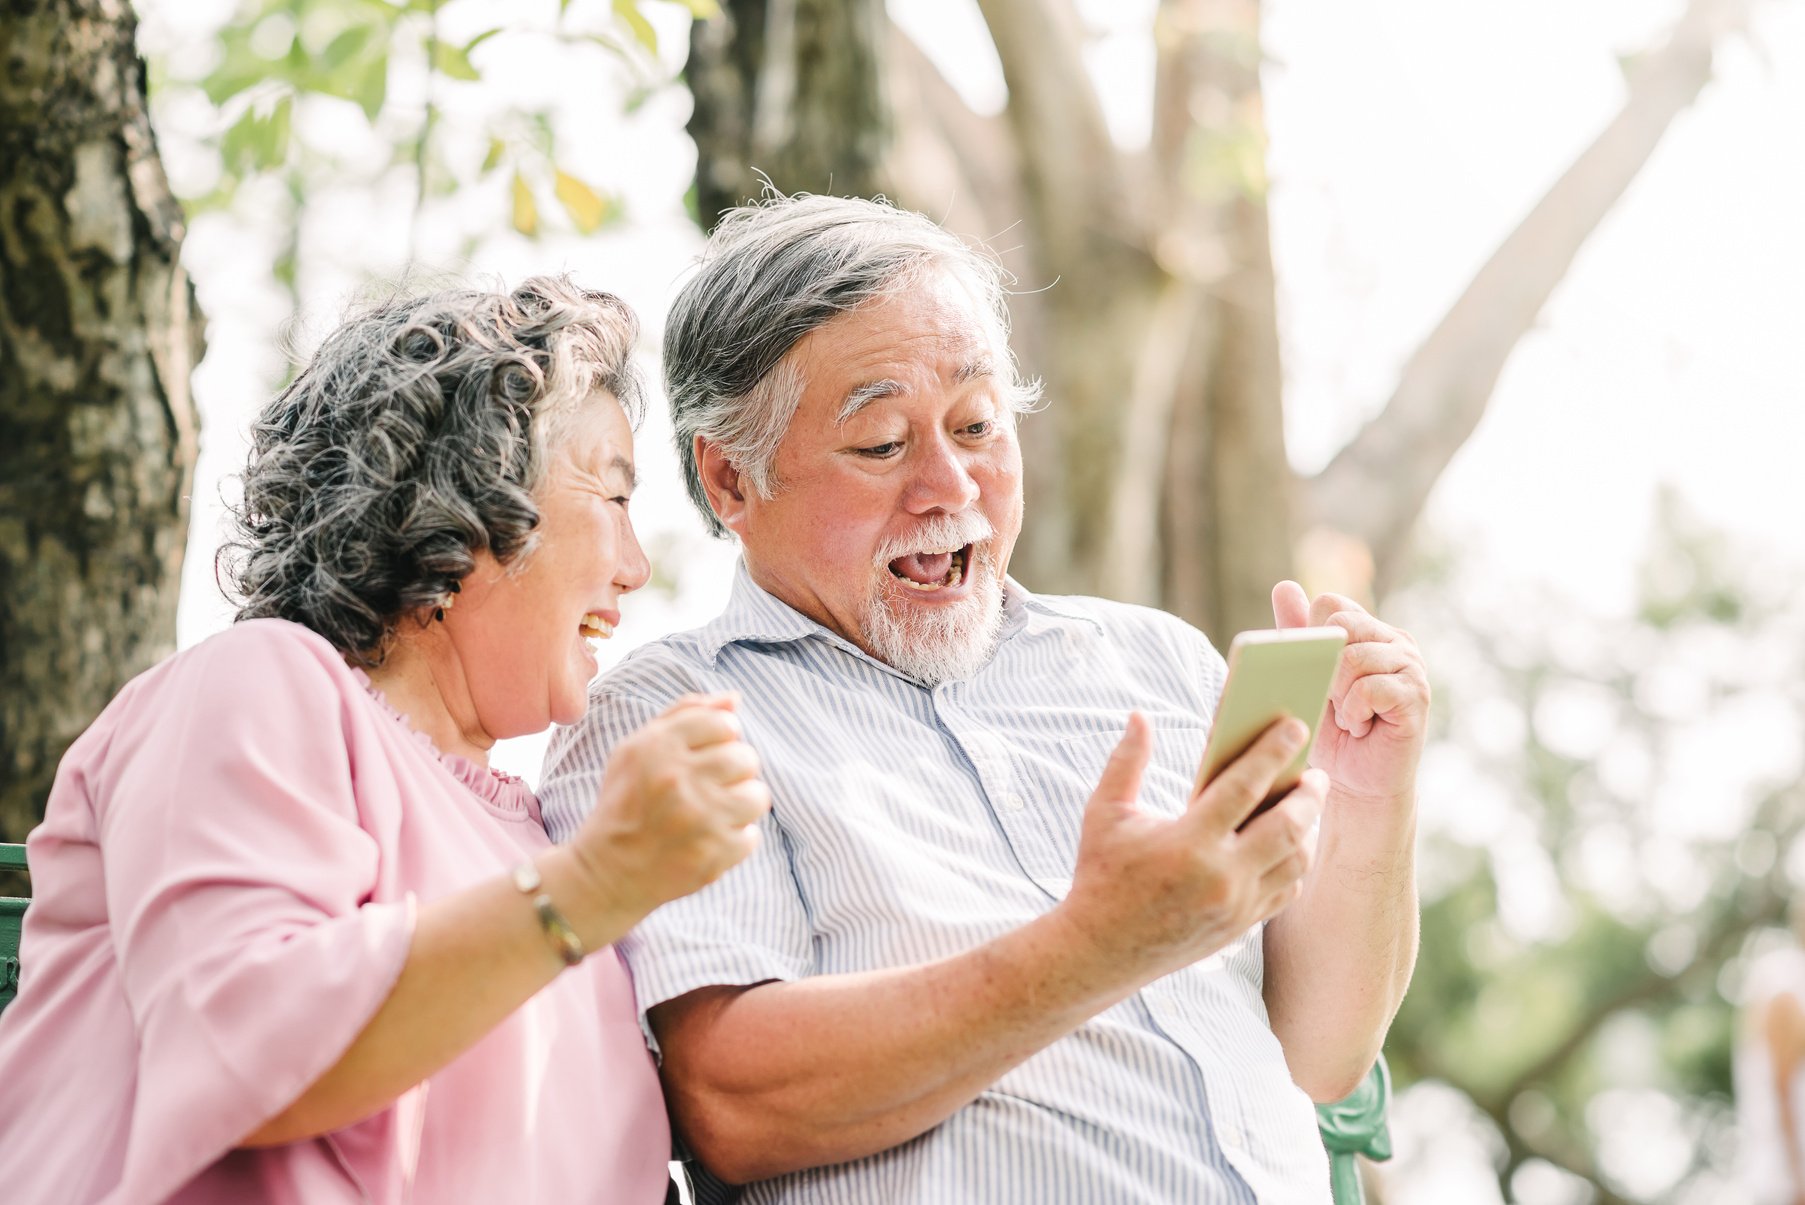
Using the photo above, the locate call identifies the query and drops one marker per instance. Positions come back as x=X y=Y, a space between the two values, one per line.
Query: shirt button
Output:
x=1013 y=803
x=1231 y=1136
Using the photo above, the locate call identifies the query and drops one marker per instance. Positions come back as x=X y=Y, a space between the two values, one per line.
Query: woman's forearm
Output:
x=475 y=957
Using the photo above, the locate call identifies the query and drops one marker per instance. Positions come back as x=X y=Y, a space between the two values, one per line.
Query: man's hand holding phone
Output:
x=1151 y=895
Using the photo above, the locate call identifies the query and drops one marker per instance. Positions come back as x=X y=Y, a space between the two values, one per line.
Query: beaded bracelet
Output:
x=564 y=939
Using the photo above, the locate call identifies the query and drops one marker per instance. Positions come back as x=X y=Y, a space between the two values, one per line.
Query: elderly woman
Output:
x=293 y=940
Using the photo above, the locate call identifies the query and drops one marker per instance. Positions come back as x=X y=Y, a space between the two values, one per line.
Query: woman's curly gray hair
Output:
x=413 y=440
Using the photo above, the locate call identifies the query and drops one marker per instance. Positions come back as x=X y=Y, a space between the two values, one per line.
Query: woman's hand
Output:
x=676 y=809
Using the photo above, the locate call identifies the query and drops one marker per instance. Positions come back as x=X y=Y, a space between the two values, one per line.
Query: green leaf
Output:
x=526 y=210
x=637 y=98
x=372 y=87
x=701 y=10
x=280 y=126
x=584 y=205
x=480 y=38
x=628 y=11
x=348 y=45
x=497 y=148
x=451 y=61
x=614 y=46
x=235 y=145
x=239 y=68
x=258 y=140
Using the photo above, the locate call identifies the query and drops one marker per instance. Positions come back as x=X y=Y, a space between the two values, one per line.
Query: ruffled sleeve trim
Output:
x=192 y=1111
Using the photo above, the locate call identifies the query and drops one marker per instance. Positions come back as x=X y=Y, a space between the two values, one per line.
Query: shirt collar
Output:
x=1026 y=602
x=755 y=616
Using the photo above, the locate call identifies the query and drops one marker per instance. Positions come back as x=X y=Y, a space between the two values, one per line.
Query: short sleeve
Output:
x=239 y=876
x=574 y=760
x=749 y=926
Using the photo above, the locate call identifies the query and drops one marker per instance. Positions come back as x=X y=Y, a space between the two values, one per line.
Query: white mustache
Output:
x=941 y=531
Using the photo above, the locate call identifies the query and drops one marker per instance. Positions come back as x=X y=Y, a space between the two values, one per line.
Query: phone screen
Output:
x=1272 y=674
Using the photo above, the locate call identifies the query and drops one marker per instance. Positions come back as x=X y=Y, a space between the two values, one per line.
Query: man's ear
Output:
x=722 y=482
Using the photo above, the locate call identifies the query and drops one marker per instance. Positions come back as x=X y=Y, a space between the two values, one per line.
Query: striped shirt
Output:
x=909 y=824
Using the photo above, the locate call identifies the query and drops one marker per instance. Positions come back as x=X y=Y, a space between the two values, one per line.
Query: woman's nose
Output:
x=634 y=570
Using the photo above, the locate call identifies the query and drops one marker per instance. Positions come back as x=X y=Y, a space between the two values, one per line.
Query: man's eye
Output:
x=980 y=428
x=880 y=451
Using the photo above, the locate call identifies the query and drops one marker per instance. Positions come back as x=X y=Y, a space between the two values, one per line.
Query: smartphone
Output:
x=1272 y=674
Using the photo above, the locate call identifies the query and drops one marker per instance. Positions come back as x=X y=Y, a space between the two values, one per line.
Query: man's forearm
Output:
x=784 y=1076
x=1339 y=959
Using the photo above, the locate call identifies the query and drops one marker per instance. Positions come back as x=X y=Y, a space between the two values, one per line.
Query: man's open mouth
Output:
x=927 y=572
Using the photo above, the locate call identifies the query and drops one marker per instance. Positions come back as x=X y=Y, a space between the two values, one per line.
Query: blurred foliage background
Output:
x=1594 y=880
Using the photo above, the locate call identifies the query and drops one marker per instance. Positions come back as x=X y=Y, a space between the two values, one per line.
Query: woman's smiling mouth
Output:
x=594 y=629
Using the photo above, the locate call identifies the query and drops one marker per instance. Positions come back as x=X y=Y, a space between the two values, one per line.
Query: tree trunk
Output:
x=790 y=91
x=98 y=333
x=1227 y=500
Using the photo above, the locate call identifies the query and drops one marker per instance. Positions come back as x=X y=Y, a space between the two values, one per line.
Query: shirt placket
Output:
x=1226 y=1113
x=1016 y=813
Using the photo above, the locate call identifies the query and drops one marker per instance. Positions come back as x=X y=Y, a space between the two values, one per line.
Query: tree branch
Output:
x=947 y=160
x=1376 y=486
x=1651 y=985
x=1072 y=172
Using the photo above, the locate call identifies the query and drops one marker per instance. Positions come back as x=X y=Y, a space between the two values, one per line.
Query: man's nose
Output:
x=942 y=481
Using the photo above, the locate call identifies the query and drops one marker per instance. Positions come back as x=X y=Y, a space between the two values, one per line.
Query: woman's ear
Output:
x=723 y=483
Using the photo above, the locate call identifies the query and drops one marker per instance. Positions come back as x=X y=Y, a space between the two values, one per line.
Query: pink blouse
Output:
x=224 y=893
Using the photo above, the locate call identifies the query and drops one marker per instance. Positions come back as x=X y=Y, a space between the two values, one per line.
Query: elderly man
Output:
x=991 y=947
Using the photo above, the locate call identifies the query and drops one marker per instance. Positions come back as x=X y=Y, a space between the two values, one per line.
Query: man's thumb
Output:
x=1290 y=605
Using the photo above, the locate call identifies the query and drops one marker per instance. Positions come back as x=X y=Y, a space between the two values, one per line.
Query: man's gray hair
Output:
x=771 y=273
x=413 y=440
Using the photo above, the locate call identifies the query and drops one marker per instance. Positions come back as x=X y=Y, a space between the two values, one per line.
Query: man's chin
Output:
x=934 y=638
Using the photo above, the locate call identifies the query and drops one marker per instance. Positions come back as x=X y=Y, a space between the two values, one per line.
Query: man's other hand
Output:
x=1378 y=704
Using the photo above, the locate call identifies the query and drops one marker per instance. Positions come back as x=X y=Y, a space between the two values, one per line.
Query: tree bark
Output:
x=98 y=334
x=790 y=91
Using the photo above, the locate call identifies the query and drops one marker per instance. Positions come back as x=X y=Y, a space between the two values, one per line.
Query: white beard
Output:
x=940 y=644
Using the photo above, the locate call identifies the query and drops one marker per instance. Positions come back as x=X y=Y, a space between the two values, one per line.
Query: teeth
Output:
x=595 y=628
x=953 y=577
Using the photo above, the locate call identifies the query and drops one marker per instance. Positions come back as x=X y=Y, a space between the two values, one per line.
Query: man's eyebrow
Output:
x=863 y=395
x=972 y=369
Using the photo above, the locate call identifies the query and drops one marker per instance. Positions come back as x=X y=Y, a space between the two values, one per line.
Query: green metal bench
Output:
x=1349 y=1128
x=12 y=913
